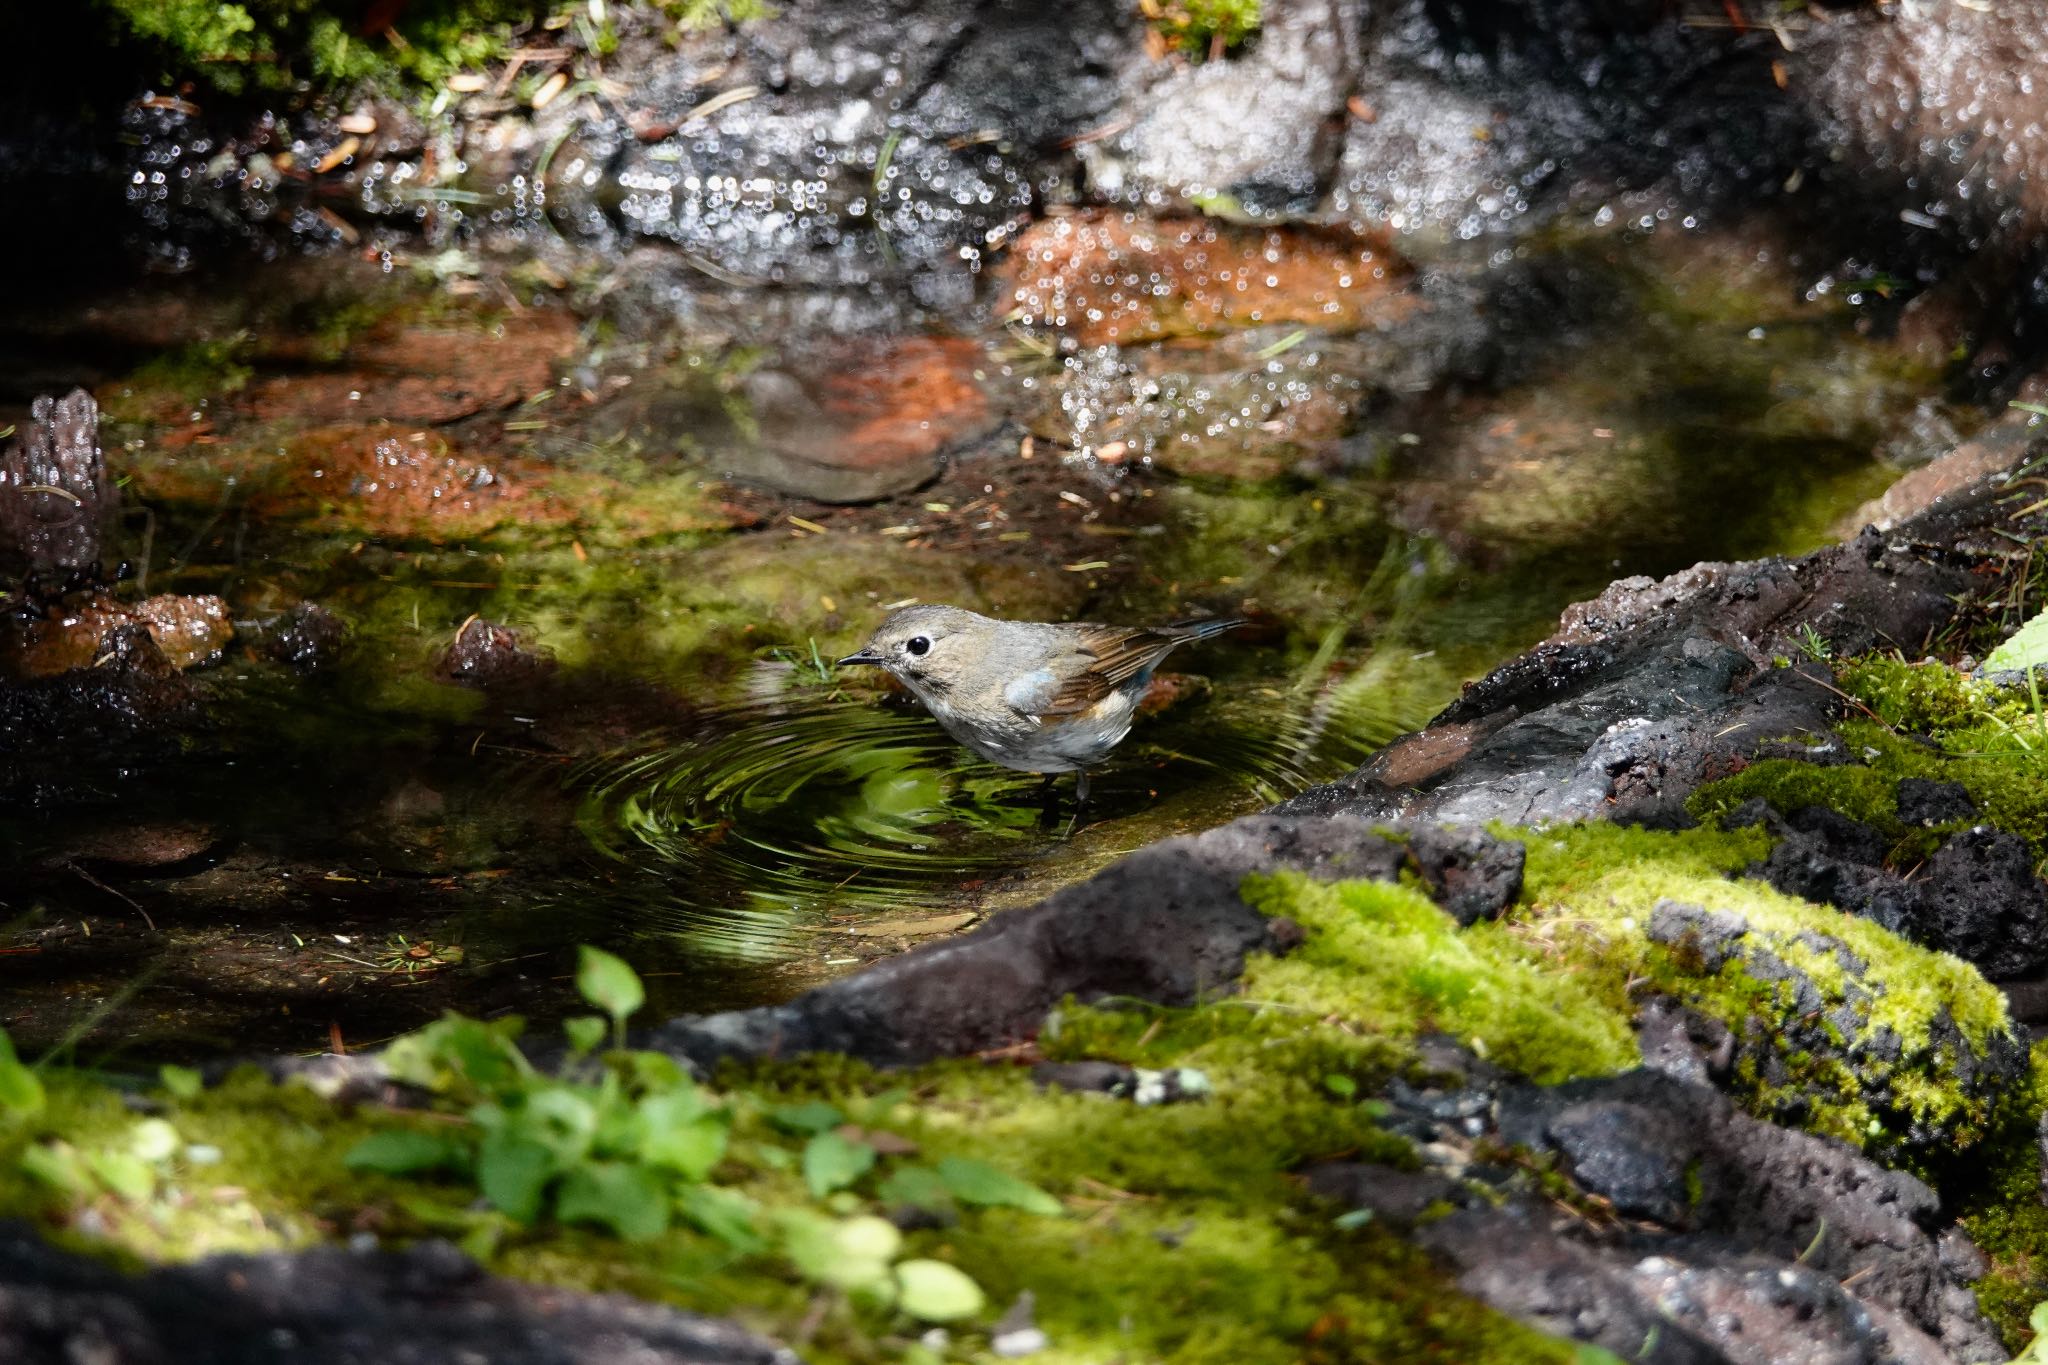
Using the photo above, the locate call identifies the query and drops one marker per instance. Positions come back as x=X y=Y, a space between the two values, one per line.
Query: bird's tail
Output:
x=1202 y=630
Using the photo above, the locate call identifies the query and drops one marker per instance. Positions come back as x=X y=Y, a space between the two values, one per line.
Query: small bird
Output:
x=1038 y=697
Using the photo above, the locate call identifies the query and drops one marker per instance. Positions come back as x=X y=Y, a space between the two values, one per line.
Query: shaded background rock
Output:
x=425 y=1305
x=55 y=493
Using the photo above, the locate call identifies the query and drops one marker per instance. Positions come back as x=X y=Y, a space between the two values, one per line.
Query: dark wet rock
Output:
x=327 y=1306
x=151 y=849
x=1166 y=924
x=308 y=638
x=1683 y=1043
x=487 y=655
x=76 y=735
x=1655 y=687
x=55 y=494
x=1843 y=838
x=1747 y=1242
x=1985 y=905
x=1400 y=1197
x=1976 y=896
x=1925 y=802
x=1473 y=875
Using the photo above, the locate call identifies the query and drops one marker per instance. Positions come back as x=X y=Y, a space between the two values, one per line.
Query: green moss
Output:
x=1201 y=27
x=1184 y=1237
x=279 y=44
x=1391 y=962
x=2006 y=1217
x=1592 y=890
x=1919 y=720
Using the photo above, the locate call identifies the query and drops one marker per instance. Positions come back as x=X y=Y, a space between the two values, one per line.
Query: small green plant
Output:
x=1201 y=27
x=2036 y=1352
x=808 y=665
x=627 y=1141
x=1813 y=644
x=693 y=15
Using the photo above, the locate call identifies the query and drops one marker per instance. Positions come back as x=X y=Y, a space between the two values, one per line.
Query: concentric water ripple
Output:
x=783 y=818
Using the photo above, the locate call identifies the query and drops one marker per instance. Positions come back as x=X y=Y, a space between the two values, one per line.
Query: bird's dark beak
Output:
x=865 y=656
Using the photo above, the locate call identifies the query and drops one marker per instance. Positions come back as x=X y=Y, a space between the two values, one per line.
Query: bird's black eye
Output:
x=918 y=645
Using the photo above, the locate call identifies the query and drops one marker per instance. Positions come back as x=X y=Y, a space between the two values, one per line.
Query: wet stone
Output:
x=150 y=847
x=329 y=1306
x=1473 y=875
x=1115 y=278
x=422 y=376
x=1925 y=802
x=55 y=495
x=863 y=422
x=1400 y=1197
x=73 y=634
x=487 y=655
x=1710 y=937
x=308 y=638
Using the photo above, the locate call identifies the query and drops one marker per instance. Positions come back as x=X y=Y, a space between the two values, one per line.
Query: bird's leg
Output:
x=1080 y=789
x=1048 y=801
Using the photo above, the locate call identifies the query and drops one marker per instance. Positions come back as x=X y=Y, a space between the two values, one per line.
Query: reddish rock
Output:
x=391 y=482
x=862 y=421
x=73 y=633
x=422 y=375
x=141 y=848
x=189 y=630
x=1103 y=277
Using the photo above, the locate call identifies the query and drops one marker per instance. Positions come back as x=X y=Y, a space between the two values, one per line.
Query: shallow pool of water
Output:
x=652 y=753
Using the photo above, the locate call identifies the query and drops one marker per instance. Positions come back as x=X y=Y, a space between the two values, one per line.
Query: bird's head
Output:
x=929 y=648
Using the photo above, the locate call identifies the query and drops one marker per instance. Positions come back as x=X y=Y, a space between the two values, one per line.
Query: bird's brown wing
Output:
x=1117 y=654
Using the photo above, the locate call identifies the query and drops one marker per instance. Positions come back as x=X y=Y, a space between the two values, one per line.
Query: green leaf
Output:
x=2027 y=648
x=562 y=1117
x=849 y=1254
x=512 y=1171
x=154 y=1140
x=937 y=1292
x=725 y=1214
x=58 y=1165
x=625 y=1198
x=1356 y=1218
x=454 y=1051
x=2038 y=1319
x=1343 y=1087
x=585 y=1032
x=608 y=983
x=21 y=1090
x=832 y=1162
x=401 y=1151
x=918 y=1186
x=977 y=1182
x=124 y=1173
x=806 y=1119
x=181 y=1082
x=679 y=1137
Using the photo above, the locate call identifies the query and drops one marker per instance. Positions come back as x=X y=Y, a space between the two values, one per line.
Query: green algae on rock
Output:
x=1841 y=1027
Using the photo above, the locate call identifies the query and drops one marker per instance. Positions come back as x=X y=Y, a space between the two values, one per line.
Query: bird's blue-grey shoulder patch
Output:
x=1031 y=693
